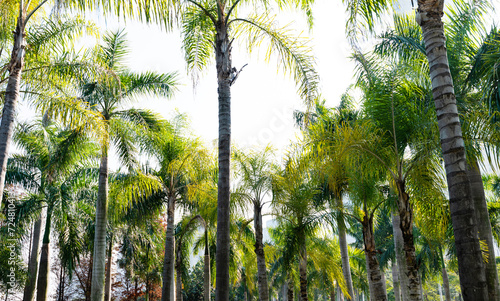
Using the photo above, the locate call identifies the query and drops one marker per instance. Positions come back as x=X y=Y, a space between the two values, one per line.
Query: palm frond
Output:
x=149 y=83
x=293 y=53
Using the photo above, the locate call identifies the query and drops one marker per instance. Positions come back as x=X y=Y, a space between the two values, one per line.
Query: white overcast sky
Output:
x=263 y=98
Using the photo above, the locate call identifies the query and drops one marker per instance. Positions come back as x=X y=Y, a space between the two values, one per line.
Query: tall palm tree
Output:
x=325 y=123
x=468 y=49
x=101 y=98
x=255 y=170
x=39 y=40
x=212 y=24
x=429 y=17
x=471 y=268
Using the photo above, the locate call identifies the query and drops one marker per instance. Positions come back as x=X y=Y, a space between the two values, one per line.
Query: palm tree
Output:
x=366 y=197
x=255 y=170
x=214 y=24
x=471 y=267
x=49 y=169
x=467 y=67
x=101 y=99
x=429 y=17
x=333 y=170
x=39 y=40
x=294 y=190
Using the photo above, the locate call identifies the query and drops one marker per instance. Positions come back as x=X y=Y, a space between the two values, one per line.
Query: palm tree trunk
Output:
x=484 y=227
x=62 y=283
x=178 y=274
x=29 y=288
x=223 y=64
x=244 y=284
x=107 y=284
x=340 y=295
x=167 y=291
x=44 y=270
x=344 y=253
x=375 y=280
x=290 y=290
x=470 y=266
x=400 y=256
x=206 y=270
x=259 y=251
x=446 y=283
x=395 y=281
x=99 y=256
x=406 y=226
x=303 y=267
x=11 y=95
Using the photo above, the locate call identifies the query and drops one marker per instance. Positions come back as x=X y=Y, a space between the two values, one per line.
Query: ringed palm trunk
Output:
x=29 y=288
x=259 y=251
x=11 y=96
x=167 y=291
x=223 y=64
x=484 y=228
x=375 y=280
x=303 y=267
x=99 y=255
x=470 y=266
x=406 y=225
x=107 y=294
x=44 y=270
x=400 y=256
x=344 y=253
x=206 y=270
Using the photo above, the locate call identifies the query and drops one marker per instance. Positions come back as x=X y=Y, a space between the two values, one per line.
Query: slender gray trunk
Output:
x=223 y=65
x=376 y=282
x=167 y=291
x=344 y=254
x=446 y=283
x=107 y=283
x=206 y=270
x=29 y=289
x=484 y=227
x=400 y=256
x=470 y=264
x=99 y=256
x=44 y=269
x=259 y=251
x=340 y=295
x=11 y=96
x=406 y=226
x=395 y=281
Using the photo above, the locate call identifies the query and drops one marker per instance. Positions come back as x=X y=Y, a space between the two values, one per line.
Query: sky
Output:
x=263 y=99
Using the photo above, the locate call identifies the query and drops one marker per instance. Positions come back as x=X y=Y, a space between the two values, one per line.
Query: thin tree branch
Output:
x=33 y=11
x=231 y=10
x=205 y=11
